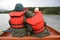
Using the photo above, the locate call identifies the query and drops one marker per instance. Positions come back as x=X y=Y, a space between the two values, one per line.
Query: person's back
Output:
x=17 y=21
x=37 y=23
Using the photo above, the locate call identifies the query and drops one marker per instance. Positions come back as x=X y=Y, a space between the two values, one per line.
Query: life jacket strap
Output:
x=39 y=30
x=17 y=25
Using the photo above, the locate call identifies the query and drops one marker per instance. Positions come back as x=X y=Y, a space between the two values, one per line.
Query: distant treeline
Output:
x=45 y=10
x=6 y=11
x=48 y=10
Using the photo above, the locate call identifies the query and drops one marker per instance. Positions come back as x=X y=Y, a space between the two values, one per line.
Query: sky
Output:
x=10 y=4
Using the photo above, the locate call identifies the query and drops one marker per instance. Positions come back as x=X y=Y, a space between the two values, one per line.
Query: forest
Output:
x=45 y=10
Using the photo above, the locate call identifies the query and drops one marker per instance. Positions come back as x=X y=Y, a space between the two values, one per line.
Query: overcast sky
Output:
x=9 y=4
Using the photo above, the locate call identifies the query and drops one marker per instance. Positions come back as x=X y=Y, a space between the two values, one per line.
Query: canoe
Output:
x=54 y=35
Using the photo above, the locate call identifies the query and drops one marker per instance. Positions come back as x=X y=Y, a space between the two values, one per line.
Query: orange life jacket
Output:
x=17 y=19
x=37 y=22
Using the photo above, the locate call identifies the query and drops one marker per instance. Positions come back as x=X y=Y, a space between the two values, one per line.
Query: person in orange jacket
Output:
x=38 y=24
x=17 y=21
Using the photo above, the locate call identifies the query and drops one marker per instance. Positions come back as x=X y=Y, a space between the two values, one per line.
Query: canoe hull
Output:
x=54 y=35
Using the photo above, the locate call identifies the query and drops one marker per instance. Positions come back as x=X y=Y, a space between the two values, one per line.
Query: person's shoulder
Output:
x=11 y=13
x=28 y=11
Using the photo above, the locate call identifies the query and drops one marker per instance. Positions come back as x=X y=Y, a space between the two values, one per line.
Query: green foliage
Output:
x=52 y=10
x=47 y=10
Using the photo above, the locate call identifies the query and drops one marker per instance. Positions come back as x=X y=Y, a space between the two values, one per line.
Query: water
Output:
x=4 y=25
x=53 y=21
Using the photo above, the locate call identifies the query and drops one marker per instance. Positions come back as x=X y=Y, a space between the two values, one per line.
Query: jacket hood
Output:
x=19 y=7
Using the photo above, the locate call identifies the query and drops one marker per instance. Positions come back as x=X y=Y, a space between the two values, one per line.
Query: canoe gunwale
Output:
x=56 y=36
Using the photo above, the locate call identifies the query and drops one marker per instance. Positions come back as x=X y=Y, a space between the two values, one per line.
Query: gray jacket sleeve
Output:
x=29 y=14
